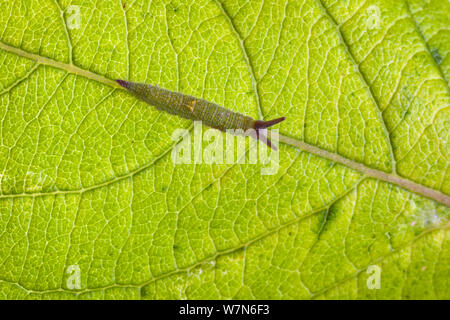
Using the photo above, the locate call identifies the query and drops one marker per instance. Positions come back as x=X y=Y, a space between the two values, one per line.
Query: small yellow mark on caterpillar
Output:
x=191 y=105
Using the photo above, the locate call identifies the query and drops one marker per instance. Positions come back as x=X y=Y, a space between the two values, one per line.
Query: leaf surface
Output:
x=87 y=177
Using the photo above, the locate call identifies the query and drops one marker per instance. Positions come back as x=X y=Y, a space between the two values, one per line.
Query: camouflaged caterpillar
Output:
x=209 y=113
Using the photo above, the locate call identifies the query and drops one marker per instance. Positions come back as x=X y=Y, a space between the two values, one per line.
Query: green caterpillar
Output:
x=193 y=108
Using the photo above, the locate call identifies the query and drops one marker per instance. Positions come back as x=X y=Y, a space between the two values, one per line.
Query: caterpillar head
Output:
x=260 y=128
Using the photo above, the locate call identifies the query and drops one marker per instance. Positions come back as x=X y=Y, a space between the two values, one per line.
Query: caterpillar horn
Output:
x=260 y=125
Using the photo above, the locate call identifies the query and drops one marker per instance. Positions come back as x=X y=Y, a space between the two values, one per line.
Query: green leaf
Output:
x=87 y=179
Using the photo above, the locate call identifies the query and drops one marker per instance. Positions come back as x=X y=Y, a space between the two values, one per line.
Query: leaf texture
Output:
x=87 y=178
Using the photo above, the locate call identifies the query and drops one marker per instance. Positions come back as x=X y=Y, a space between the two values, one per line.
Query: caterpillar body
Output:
x=193 y=108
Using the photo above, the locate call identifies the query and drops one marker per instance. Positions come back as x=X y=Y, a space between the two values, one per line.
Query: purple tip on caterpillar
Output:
x=123 y=83
x=260 y=124
x=261 y=137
